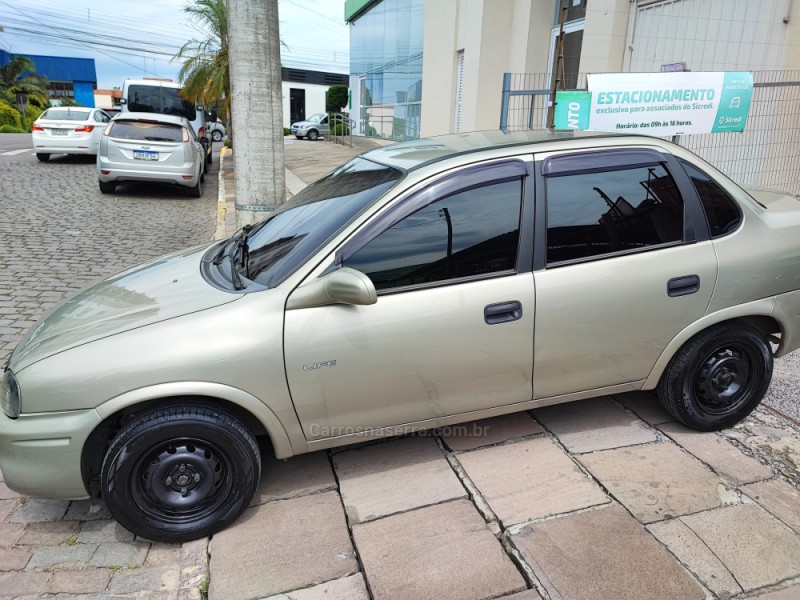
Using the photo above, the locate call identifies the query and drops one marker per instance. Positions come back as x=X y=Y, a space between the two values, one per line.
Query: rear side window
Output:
x=470 y=233
x=722 y=213
x=150 y=132
x=611 y=211
x=161 y=100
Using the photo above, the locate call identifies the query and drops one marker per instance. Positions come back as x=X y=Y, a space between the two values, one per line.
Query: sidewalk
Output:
x=606 y=498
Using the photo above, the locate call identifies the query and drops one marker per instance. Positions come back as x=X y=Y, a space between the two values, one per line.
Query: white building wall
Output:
x=315 y=98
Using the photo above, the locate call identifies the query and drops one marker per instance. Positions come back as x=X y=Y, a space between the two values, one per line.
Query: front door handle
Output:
x=502 y=312
x=683 y=286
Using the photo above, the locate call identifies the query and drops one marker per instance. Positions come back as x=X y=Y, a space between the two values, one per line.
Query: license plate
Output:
x=145 y=155
x=58 y=132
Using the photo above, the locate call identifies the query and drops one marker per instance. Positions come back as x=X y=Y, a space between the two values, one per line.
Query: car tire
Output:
x=178 y=473
x=299 y=137
x=197 y=191
x=313 y=134
x=42 y=157
x=107 y=187
x=209 y=157
x=216 y=135
x=718 y=377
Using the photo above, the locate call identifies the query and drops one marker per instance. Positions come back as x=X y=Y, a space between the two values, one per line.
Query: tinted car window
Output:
x=158 y=99
x=722 y=213
x=297 y=229
x=151 y=132
x=65 y=114
x=592 y=214
x=469 y=233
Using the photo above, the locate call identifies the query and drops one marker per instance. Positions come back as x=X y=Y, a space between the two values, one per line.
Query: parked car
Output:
x=217 y=130
x=312 y=128
x=151 y=147
x=420 y=285
x=68 y=130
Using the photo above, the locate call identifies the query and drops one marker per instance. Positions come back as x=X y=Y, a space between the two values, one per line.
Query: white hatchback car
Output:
x=153 y=148
x=68 y=130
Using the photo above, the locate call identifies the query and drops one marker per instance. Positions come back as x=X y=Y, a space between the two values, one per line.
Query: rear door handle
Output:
x=683 y=286
x=502 y=312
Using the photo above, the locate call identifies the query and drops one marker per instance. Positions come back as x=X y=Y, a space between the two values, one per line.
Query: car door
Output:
x=452 y=328
x=623 y=263
x=324 y=128
x=101 y=120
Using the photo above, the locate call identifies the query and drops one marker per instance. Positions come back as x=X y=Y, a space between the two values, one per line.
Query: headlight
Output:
x=9 y=395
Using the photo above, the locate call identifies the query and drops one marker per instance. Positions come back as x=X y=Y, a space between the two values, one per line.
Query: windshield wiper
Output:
x=238 y=241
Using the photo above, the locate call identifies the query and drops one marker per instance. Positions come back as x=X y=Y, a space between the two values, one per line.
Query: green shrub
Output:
x=340 y=129
x=10 y=116
x=286 y=131
x=31 y=114
x=11 y=129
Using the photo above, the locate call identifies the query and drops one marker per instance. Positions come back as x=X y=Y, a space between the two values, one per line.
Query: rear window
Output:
x=65 y=114
x=150 y=132
x=161 y=100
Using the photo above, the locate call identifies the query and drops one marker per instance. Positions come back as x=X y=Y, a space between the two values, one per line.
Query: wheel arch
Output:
x=758 y=314
x=258 y=417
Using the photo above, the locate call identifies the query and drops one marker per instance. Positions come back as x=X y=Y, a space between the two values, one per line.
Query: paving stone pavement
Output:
x=520 y=507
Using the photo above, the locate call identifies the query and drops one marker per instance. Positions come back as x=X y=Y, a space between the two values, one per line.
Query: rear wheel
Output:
x=108 y=187
x=197 y=191
x=42 y=157
x=179 y=473
x=216 y=135
x=718 y=377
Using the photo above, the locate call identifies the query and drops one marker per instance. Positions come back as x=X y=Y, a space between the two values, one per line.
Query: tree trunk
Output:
x=256 y=108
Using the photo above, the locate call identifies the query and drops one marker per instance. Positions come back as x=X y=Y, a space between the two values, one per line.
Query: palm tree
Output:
x=18 y=76
x=205 y=73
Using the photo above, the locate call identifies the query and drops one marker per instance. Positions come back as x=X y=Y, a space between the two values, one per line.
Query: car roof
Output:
x=418 y=153
x=147 y=116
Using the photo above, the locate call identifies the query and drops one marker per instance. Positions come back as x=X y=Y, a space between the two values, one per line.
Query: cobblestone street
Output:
x=59 y=234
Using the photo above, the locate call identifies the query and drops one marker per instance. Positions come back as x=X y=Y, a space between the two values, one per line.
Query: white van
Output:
x=163 y=96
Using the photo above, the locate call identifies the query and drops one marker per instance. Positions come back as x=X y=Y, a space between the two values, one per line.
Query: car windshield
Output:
x=159 y=99
x=300 y=227
x=145 y=131
x=316 y=118
x=65 y=114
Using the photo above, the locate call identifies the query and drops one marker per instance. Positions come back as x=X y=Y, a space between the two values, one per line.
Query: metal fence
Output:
x=341 y=129
x=766 y=154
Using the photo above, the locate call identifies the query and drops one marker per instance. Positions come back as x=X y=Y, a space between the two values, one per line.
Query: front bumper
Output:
x=40 y=454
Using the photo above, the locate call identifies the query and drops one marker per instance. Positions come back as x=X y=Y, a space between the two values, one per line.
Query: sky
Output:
x=137 y=39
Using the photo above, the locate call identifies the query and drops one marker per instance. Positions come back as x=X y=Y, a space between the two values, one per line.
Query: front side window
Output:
x=605 y=212
x=469 y=233
x=721 y=211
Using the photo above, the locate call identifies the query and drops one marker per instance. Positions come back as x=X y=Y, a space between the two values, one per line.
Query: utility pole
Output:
x=256 y=108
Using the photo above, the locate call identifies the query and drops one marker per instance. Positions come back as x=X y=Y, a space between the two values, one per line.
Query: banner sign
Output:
x=658 y=103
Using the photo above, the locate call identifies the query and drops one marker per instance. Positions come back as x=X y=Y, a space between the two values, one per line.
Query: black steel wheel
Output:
x=313 y=134
x=180 y=473
x=718 y=377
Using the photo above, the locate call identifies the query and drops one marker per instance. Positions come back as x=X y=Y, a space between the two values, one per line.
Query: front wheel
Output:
x=718 y=377
x=180 y=473
x=313 y=135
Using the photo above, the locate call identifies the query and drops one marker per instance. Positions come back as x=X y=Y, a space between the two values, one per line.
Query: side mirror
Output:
x=345 y=286
x=123 y=100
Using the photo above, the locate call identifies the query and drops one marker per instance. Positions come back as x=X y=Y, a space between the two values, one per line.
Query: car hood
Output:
x=161 y=289
x=304 y=124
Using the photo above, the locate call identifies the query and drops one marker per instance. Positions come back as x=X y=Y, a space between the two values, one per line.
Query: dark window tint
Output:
x=722 y=213
x=469 y=233
x=158 y=99
x=297 y=229
x=151 y=132
x=611 y=211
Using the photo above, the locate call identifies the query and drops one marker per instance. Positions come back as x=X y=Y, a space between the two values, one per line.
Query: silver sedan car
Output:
x=420 y=285
x=148 y=147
